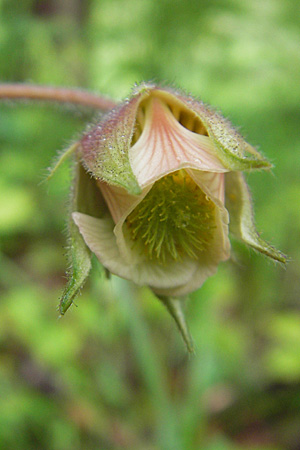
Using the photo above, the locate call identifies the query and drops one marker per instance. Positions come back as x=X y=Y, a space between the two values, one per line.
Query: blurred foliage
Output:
x=113 y=373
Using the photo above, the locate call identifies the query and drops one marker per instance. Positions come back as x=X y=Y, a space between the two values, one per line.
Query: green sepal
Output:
x=242 y=226
x=60 y=159
x=87 y=199
x=231 y=148
x=80 y=259
x=175 y=308
x=104 y=148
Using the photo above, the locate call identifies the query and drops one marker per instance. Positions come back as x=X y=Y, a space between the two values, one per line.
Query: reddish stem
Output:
x=61 y=95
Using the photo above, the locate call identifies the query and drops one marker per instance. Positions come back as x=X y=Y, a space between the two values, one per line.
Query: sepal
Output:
x=80 y=260
x=242 y=225
x=60 y=159
x=176 y=309
x=104 y=149
x=86 y=198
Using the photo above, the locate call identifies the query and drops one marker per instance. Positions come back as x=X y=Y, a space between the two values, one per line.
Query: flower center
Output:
x=176 y=218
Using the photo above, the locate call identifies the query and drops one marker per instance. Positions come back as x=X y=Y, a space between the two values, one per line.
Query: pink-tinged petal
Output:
x=99 y=236
x=229 y=146
x=166 y=146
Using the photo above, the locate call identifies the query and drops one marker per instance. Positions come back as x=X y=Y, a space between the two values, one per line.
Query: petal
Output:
x=166 y=146
x=123 y=257
x=119 y=202
x=213 y=184
x=99 y=236
x=206 y=265
x=229 y=146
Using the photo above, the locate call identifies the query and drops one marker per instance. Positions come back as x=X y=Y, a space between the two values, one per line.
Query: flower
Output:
x=158 y=188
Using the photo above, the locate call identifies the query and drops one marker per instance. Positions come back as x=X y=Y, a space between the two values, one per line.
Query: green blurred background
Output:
x=114 y=373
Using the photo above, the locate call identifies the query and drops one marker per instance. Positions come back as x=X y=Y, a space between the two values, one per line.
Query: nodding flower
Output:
x=159 y=189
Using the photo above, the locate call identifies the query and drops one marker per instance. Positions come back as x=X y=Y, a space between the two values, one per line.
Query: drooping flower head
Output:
x=159 y=185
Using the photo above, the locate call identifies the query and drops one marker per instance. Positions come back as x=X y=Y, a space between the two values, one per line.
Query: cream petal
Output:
x=199 y=277
x=119 y=202
x=212 y=183
x=205 y=269
x=208 y=263
x=99 y=237
x=165 y=146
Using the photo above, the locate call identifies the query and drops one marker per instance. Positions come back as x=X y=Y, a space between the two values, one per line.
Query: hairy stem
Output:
x=53 y=94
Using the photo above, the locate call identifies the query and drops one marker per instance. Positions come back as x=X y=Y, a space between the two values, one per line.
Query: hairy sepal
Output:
x=242 y=225
x=104 y=149
x=60 y=159
x=86 y=198
x=175 y=307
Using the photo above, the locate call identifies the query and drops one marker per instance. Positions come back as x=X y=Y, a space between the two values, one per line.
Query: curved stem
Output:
x=62 y=95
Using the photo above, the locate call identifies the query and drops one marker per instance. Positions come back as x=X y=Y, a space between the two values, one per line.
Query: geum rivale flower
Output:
x=158 y=188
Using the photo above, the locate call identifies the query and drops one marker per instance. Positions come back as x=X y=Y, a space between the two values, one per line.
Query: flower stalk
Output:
x=80 y=97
